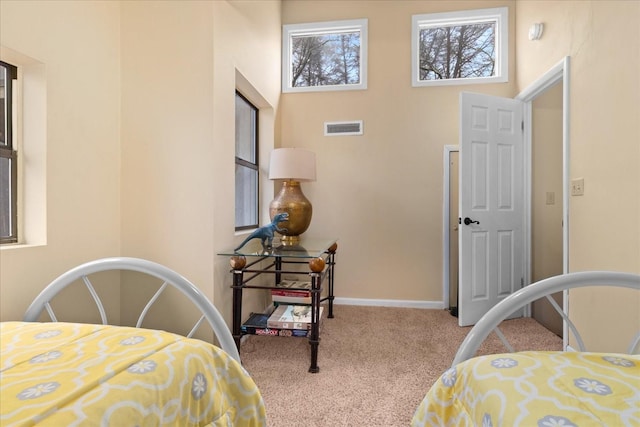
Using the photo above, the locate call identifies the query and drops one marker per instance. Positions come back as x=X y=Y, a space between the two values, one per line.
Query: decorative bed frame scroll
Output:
x=544 y=288
x=168 y=276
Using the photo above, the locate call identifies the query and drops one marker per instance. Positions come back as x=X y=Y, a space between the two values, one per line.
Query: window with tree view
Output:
x=460 y=47
x=324 y=56
x=8 y=157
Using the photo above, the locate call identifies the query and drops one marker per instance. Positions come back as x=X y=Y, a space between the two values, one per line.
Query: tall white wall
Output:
x=604 y=231
x=180 y=62
x=76 y=46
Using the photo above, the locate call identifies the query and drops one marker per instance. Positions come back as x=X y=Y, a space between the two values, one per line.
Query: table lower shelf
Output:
x=257 y=325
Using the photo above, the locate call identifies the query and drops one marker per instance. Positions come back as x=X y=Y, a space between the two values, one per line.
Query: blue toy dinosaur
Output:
x=265 y=233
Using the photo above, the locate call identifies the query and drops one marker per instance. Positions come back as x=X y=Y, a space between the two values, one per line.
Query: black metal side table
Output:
x=253 y=261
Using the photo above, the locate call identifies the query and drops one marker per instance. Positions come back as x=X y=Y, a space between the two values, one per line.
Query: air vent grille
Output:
x=343 y=128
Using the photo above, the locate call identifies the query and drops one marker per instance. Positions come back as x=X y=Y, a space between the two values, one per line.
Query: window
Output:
x=324 y=56
x=8 y=157
x=460 y=47
x=246 y=164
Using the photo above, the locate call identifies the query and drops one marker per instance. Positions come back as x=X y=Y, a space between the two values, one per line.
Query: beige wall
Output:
x=180 y=63
x=604 y=231
x=381 y=193
x=247 y=48
x=78 y=46
x=167 y=150
x=150 y=174
x=140 y=135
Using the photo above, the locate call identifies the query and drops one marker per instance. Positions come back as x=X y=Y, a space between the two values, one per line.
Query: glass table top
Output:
x=308 y=247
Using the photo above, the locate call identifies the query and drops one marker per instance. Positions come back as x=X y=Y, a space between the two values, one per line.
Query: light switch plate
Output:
x=577 y=187
x=551 y=198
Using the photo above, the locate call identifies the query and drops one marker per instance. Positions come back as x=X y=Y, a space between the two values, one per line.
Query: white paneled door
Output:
x=491 y=244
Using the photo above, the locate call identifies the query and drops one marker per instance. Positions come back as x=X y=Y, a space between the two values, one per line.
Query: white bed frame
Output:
x=544 y=288
x=168 y=276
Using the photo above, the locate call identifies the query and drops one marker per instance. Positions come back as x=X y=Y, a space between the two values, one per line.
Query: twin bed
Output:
x=544 y=389
x=74 y=374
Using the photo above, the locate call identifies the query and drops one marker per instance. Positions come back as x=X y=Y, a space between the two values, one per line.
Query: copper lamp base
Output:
x=293 y=201
x=290 y=240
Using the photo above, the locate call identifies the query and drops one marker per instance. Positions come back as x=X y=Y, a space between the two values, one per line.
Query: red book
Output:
x=287 y=293
x=293 y=292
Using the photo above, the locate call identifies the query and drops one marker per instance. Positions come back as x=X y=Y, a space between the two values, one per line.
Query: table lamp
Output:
x=292 y=165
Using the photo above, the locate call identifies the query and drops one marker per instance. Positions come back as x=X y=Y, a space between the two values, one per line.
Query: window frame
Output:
x=499 y=15
x=8 y=151
x=239 y=162
x=318 y=28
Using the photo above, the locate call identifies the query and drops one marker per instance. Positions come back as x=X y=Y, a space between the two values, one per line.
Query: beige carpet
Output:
x=376 y=364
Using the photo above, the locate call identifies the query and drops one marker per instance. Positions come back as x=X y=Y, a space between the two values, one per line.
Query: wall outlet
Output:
x=577 y=187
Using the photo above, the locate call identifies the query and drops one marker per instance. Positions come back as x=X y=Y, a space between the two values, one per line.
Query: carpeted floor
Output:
x=376 y=364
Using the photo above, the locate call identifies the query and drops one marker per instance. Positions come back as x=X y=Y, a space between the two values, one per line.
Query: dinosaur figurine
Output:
x=265 y=233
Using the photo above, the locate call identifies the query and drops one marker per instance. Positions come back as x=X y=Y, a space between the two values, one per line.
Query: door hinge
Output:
x=521 y=282
x=522 y=125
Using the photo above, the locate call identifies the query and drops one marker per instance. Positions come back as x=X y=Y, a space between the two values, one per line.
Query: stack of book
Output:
x=291 y=317
x=286 y=320
x=292 y=292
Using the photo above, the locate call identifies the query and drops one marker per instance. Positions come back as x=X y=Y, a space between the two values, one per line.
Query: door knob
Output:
x=468 y=221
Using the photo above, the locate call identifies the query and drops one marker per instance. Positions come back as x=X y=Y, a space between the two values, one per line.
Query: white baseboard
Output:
x=435 y=305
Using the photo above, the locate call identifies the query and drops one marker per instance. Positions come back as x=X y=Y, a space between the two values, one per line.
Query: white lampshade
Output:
x=293 y=163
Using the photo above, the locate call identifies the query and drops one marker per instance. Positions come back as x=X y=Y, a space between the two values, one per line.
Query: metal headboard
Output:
x=490 y=321
x=169 y=278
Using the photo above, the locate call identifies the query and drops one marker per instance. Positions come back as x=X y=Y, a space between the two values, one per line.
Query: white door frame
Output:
x=559 y=72
x=448 y=149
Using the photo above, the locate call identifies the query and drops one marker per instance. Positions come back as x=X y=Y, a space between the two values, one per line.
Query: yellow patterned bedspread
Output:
x=543 y=389
x=67 y=374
